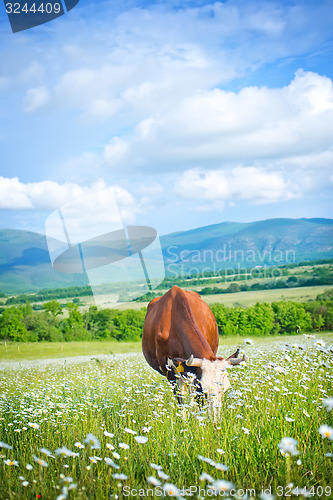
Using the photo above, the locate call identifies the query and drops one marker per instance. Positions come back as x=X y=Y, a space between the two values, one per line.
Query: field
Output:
x=43 y=350
x=229 y=299
x=110 y=427
x=245 y=299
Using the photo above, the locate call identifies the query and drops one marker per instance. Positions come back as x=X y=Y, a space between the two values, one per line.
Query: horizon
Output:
x=199 y=227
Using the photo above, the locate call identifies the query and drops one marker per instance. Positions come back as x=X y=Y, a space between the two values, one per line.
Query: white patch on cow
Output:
x=214 y=379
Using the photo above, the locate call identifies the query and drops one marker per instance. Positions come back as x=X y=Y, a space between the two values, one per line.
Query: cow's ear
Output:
x=170 y=365
x=234 y=355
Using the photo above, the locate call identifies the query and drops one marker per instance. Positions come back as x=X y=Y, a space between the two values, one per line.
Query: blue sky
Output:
x=193 y=113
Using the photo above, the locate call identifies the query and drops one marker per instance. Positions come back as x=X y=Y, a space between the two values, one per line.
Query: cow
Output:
x=180 y=341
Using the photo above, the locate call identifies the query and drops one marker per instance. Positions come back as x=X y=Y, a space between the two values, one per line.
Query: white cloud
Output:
x=35 y=98
x=240 y=184
x=116 y=152
x=49 y=195
x=252 y=124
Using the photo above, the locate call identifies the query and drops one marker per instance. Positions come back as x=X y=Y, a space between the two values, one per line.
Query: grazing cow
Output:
x=180 y=340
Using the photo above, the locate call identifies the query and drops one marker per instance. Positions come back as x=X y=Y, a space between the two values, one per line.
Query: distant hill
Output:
x=231 y=244
x=25 y=264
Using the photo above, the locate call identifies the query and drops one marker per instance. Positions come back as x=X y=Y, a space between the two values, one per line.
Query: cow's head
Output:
x=208 y=377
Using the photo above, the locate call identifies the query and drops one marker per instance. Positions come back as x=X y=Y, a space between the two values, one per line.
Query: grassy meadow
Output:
x=19 y=351
x=110 y=427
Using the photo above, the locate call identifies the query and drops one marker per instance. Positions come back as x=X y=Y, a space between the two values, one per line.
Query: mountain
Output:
x=25 y=263
x=267 y=242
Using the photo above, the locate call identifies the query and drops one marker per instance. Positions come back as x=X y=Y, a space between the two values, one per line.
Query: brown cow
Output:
x=180 y=340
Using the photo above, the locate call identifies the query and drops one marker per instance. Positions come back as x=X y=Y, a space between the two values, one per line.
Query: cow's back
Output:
x=178 y=324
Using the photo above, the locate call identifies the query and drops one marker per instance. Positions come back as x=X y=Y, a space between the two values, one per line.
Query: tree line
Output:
x=23 y=324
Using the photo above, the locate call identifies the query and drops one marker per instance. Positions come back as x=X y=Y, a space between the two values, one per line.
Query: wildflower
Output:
x=92 y=441
x=116 y=455
x=33 y=425
x=79 y=445
x=326 y=432
x=206 y=477
x=248 y=342
x=11 y=462
x=221 y=467
x=170 y=489
x=320 y=343
x=129 y=431
x=121 y=477
x=222 y=485
x=67 y=479
x=156 y=467
x=154 y=481
x=65 y=452
x=246 y=431
x=46 y=452
x=162 y=475
x=288 y=419
x=40 y=461
x=289 y=445
x=109 y=461
x=328 y=402
x=124 y=446
x=5 y=445
x=29 y=467
x=110 y=446
x=146 y=429
x=108 y=434
x=25 y=483
x=141 y=439
x=220 y=451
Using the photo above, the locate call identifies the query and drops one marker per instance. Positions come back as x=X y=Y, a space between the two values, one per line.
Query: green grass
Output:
x=41 y=350
x=301 y=294
x=24 y=351
x=69 y=401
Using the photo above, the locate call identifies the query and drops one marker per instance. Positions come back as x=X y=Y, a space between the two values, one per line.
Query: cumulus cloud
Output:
x=50 y=195
x=241 y=183
x=255 y=123
x=116 y=152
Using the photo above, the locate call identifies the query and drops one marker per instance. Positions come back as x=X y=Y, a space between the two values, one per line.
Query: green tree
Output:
x=53 y=307
x=12 y=326
x=291 y=317
x=73 y=326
